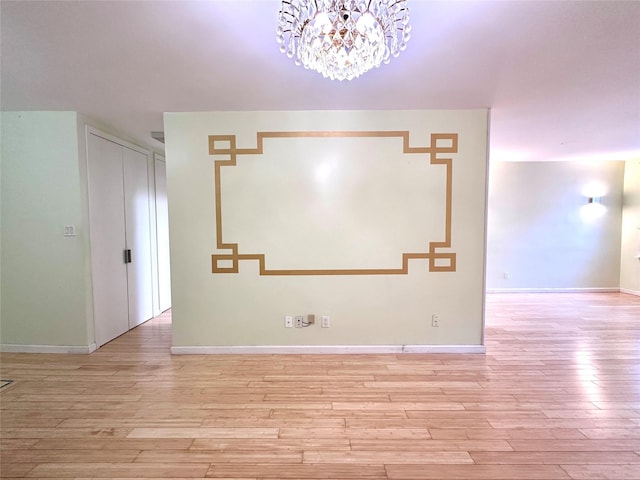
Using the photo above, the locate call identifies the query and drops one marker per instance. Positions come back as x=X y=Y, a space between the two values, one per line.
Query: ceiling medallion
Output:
x=342 y=39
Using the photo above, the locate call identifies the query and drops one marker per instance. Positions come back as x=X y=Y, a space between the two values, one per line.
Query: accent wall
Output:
x=375 y=219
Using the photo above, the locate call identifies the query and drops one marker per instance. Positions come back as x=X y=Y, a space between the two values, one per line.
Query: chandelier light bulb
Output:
x=342 y=39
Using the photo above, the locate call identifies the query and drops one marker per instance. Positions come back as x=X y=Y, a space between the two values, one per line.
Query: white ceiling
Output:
x=562 y=78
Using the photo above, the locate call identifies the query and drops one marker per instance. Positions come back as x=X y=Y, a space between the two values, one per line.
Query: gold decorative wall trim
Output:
x=441 y=143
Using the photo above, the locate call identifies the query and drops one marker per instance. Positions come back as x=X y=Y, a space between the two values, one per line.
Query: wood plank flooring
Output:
x=557 y=396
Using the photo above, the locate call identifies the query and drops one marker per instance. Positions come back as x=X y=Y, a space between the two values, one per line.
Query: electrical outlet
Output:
x=435 y=320
x=288 y=321
x=326 y=321
x=505 y=275
x=298 y=321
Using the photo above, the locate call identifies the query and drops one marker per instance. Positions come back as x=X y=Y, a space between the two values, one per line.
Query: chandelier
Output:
x=342 y=39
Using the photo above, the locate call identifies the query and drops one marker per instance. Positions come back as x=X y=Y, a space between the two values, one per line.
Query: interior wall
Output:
x=43 y=271
x=543 y=234
x=630 y=249
x=337 y=207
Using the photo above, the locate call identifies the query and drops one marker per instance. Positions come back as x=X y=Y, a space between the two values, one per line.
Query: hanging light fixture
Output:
x=342 y=39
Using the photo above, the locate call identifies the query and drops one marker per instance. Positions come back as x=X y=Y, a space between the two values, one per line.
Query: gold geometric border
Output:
x=438 y=261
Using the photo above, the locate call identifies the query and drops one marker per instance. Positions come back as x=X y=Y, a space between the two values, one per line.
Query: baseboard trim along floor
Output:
x=555 y=290
x=630 y=292
x=325 y=349
x=72 y=349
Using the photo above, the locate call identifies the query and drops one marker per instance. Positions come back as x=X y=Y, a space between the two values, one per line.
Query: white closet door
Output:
x=106 y=203
x=138 y=235
x=162 y=225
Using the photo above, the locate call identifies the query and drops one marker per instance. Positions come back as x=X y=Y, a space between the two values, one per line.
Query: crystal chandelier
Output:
x=342 y=39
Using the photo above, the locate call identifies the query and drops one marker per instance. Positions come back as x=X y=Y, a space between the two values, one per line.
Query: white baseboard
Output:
x=325 y=349
x=13 y=348
x=630 y=292
x=554 y=290
x=478 y=349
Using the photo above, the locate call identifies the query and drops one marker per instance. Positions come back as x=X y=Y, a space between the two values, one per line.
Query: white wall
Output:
x=630 y=251
x=307 y=205
x=542 y=233
x=43 y=272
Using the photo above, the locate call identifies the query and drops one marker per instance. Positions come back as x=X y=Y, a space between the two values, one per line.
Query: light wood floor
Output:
x=556 y=397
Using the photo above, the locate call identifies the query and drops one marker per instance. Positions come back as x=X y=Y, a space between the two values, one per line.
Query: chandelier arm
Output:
x=292 y=5
x=396 y=3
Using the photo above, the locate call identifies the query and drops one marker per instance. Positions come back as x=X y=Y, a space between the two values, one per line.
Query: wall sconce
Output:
x=593 y=209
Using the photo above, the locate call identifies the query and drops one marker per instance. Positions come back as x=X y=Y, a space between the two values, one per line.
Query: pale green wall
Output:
x=541 y=232
x=43 y=273
x=630 y=251
x=246 y=309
